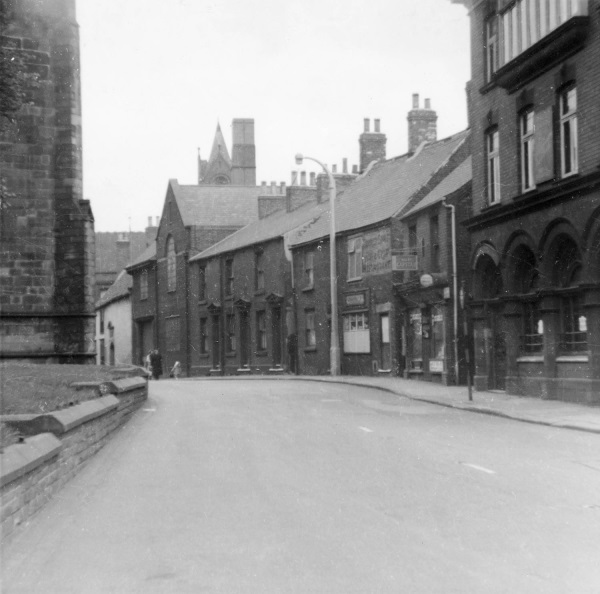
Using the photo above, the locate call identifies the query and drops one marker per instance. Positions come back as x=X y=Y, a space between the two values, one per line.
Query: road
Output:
x=290 y=486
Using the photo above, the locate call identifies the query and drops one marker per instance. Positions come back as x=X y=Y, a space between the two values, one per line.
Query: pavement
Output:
x=552 y=413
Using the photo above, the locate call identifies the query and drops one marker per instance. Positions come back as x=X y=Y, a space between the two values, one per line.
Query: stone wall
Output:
x=58 y=446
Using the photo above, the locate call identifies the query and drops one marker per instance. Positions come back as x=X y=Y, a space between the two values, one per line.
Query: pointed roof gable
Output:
x=219 y=148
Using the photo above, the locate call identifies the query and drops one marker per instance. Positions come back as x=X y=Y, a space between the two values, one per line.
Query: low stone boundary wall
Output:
x=59 y=444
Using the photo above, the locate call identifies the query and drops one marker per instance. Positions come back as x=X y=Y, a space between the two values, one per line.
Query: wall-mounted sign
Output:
x=376 y=252
x=355 y=299
x=426 y=280
x=436 y=366
x=405 y=262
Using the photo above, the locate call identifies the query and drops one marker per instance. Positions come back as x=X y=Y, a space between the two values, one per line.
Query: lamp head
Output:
x=299 y=158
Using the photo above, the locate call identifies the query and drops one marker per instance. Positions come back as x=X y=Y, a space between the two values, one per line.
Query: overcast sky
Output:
x=157 y=76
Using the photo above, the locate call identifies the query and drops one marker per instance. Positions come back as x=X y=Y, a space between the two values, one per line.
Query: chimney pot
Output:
x=354 y=168
x=427 y=103
x=273 y=187
x=334 y=169
x=282 y=186
x=294 y=178
x=367 y=124
x=149 y=221
x=312 y=178
x=303 y=178
x=157 y=221
x=263 y=186
x=345 y=165
x=415 y=100
x=377 y=126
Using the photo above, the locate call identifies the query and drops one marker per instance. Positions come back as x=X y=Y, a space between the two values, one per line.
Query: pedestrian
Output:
x=156 y=362
x=176 y=371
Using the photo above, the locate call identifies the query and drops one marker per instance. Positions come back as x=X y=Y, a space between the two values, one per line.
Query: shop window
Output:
x=568 y=132
x=228 y=278
x=203 y=336
x=144 y=285
x=310 y=337
x=357 y=338
x=493 y=166
x=309 y=270
x=230 y=339
x=259 y=265
x=261 y=331
x=171 y=265
x=354 y=258
x=202 y=283
x=527 y=148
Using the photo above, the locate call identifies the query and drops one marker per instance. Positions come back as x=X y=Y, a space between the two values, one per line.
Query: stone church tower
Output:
x=238 y=170
x=47 y=230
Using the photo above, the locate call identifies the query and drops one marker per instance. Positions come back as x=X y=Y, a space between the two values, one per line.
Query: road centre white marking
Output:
x=366 y=429
x=478 y=467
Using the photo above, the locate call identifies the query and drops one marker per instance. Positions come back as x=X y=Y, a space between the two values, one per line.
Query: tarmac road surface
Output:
x=290 y=486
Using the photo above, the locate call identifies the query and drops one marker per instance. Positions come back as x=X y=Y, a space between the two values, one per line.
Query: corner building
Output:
x=534 y=110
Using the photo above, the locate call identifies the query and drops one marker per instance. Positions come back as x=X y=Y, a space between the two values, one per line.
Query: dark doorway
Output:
x=244 y=338
x=216 y=353
x=276 y=335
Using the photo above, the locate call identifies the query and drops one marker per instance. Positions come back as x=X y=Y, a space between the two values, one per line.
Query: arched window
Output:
x=487 y=279
x=171 y=265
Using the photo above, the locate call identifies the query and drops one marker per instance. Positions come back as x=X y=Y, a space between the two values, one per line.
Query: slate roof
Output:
x=455 y=180
x=384 y=190
x=118 y=290
x=147 y=255
x=275 y=225
x=216 y=206
x=106 y=248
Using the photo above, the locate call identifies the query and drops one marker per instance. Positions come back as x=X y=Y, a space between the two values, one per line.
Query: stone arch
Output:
x=487 y=276
x=561 y=255
x=521 y=263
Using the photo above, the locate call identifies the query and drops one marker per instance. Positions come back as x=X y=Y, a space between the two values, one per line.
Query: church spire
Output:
x=219 y=148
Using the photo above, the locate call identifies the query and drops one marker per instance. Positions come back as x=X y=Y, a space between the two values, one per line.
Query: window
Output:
x=259 y=278
x=171 y=265
x=309 y=269
x=144 y=285
x=203 y=336
x=261 y=331
x=491 y=46
x=527 y=148
x=493 y=167
x=310 y=336
x=528 y=21
x=574 y=325
x=102 y=349
x=202 y=283
x=357 y=338
x=568 y=132
x=172 y=333
x=532 y=339
x=230 y=342
x=355 y=258
x=228 y=277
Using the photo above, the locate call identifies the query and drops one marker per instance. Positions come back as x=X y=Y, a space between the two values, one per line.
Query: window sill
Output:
x=573 y=359
x=259 y=292
x=488 y=207
x=310 y=349
x=355 y=353
x=202 y=302
x=530 y=359
x=354 y=279
x=309 y=288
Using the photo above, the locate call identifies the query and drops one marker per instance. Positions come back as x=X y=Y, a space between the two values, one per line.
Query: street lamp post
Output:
x=334 y=351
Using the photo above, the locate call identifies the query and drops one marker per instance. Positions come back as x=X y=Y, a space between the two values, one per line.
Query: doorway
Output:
x=216 y=352
x=385 y=357
x=276 y=335
x=244 y=338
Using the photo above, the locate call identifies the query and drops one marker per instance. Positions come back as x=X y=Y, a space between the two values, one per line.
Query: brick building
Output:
x=47 y=229
x=194 y=217
x=242 y=314
x=371 y=240
x=534 y=110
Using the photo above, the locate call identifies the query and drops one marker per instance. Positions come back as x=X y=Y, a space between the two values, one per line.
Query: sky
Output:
x=158 y=75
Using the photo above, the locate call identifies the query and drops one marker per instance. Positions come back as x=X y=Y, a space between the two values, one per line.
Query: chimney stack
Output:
x=312 y=178
x=422 y=124
x=303 y=178
x=149 y=221
x=371 y=145
x=345 y=165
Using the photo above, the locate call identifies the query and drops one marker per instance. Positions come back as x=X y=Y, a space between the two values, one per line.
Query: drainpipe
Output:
x=454 y=285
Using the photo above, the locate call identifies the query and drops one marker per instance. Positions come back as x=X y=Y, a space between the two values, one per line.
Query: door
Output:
x=497 y=351
x=276 y=335
x=216 y=352
x=244 y=338
x=385 y=358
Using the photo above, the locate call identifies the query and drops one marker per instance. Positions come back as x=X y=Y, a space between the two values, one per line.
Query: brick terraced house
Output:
x=372 y=245
x=535 y=118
